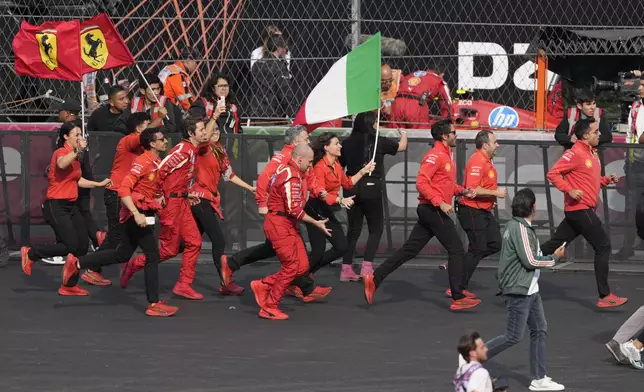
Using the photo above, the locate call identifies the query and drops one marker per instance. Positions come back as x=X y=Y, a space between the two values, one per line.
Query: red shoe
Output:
x=467 y=293
x=186 y=291
x=226 y=272
x=93 y=277
x=70 y=269
x=231 y=289
x=160 y=309
x=100 y=237
x=273 y=314
x=318 y=293
x=261 y=291
x=294 y=291
x=74 y=291
x=26 y=262
x=611 y=301
x=464 y=303
x=369 y=288
x=127 y=271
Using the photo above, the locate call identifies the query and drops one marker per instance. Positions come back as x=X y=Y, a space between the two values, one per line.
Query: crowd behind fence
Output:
x=25 y=155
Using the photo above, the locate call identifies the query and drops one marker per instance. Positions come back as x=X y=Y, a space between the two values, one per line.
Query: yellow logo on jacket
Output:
x=448 y=166
x=589 y=163
x=48 y=46
x=93 y=47
x=491 y=174
x=152 y=176
x=413 y=81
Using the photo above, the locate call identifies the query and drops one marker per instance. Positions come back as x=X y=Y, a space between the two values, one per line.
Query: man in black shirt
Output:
x=586 y=107
x=111 y=117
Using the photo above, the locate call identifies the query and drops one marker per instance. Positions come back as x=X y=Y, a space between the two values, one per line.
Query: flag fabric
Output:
x=351 y=86
x=102 y=46
x=50 y=51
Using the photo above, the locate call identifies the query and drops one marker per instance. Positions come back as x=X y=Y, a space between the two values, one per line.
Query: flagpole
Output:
x=375 y=146
x=82 y=96
x=147 y=85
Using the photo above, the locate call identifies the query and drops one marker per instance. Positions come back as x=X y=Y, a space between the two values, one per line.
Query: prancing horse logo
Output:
x=48 y=46
x=94 y=48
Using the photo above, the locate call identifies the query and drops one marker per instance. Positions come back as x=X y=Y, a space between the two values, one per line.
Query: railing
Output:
x=520 y=163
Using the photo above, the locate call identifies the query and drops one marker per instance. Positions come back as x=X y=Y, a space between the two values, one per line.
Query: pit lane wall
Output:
x=522 y=160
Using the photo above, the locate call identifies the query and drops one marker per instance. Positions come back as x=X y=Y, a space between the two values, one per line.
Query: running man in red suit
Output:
x=286 y=200
x=176 y=176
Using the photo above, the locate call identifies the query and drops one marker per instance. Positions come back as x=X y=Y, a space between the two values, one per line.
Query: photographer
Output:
x=585 y=107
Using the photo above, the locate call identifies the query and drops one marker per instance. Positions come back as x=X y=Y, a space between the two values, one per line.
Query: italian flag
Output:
x=351 y=86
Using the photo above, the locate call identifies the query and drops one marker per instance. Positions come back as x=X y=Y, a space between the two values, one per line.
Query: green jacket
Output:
x=520 y=257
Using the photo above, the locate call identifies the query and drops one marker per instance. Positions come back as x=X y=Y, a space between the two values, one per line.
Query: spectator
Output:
x=273 y=95
x=586 y=107
x=111 y=117
x=96 y=85
x=471 y=376
x=152 y=101
x=258 y=53
x=176 y=78
x=626 y=346
x=225 y=115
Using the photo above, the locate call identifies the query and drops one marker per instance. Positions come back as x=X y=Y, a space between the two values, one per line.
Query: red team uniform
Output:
x=410 y=109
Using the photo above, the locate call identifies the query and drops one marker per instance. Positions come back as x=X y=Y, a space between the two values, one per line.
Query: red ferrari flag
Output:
x=51 y=50
x=101 y=45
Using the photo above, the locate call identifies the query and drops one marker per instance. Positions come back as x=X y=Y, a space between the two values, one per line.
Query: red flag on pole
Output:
x=102 y=46
x=50 y=51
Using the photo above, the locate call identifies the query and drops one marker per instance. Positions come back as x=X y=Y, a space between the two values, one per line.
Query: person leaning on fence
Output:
x=471 y=376
x=585 y=108
x=61 y=209
x=578 y=175
x=518 y=274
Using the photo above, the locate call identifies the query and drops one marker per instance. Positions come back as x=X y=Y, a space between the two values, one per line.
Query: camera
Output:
x=625 y=89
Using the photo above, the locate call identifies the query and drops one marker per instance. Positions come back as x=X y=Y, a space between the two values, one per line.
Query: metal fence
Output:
x=519 y=163
x=481 y=44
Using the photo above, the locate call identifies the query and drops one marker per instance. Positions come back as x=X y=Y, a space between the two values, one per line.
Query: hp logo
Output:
x=503 y=117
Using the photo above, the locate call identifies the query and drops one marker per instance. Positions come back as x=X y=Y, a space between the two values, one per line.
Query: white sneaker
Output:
x=632 y=353
x=545 y=384
x=56 y=260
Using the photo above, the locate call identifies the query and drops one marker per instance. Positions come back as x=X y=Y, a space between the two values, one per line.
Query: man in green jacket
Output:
x=518 y=275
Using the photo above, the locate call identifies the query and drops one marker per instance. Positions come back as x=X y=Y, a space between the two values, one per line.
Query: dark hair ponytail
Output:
x=65 y=129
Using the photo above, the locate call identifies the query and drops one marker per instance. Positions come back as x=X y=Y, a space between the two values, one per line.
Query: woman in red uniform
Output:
x=60 y=210
x=213 y=165
x=329 y=174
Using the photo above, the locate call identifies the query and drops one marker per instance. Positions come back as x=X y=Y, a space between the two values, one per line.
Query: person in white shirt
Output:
x=258 y=53
x=471 y=376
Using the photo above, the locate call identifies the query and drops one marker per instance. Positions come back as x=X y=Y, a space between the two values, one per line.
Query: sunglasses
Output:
x=161 y=138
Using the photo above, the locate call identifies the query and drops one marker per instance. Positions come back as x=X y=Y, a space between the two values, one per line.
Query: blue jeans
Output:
x=524 y=310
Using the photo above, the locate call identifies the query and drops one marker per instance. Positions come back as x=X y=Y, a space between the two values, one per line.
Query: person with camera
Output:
x=585 y=107
x=519 y=269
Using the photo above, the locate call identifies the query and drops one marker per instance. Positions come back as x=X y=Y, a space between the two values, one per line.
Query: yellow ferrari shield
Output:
x=48 y=48
x=93 y=47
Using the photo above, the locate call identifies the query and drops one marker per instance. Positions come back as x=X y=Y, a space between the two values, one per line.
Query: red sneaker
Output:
x=70 y=269
x=74 y=291
x=160 y=309
x=273 y=314
x=467 y=293
x=127 y=272
x=231 y=289
x=261 y=291
x=464 y=303
x=369 y=288
x=294 y=291
x=26 y=262
x=100 y=237
x=94 y=278
x=318 y=293
x=226 y=272
x=186 y=291
x=611 y=301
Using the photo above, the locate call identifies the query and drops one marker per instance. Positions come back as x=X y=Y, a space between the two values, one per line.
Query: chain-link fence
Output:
x=479 y=44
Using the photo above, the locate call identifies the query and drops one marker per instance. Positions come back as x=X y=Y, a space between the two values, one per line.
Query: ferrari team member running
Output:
x=60 y=209
x=141 y=197
x=176 y=175
x=436 y=184
x=475 y=214
x=286 y=199
x=213 y=164
x=578 y=175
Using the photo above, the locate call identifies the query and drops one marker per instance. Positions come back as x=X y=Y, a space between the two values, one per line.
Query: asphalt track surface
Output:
x=406 y=341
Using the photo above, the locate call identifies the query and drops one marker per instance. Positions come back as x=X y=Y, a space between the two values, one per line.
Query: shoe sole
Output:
x=460 y=307
x=160 y=314
x=269 y=317
x=94 y=282
x=545 y=389
x=81 y=294
x=614 y=354
x=606 y=306
x=186 y=296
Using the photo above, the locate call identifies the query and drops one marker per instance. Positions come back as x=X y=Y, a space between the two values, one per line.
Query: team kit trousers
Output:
x=370 y=208
x=209 y=222
x=484 y=236
x=432 y=222
x=587 y=224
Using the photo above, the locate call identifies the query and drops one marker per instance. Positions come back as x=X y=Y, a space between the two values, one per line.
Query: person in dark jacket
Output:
x=586 y=107
x=272 y=82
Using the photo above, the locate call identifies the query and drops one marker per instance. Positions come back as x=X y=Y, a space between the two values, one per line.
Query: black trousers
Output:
x=372 y=209
x=319 y=256
x=90 y=225
x=250 y=255
x=586 y=223
x=209 y=222
x=114 y=227
x=69 y=226
x=432 y=221
x=134 y=236
x=484 y=236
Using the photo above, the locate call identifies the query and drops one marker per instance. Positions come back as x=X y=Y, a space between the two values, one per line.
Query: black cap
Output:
x=70 y=105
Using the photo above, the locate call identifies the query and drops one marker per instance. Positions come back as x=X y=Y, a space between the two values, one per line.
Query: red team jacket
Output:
x=436 y=181
x=209 y=172
x=331 y=177
x=287 y=191
x=128 y=148
x=141 y=183
x=176 y=173
x=480 y=171
x=579 y=168
x=63 y=183
x=426 y=82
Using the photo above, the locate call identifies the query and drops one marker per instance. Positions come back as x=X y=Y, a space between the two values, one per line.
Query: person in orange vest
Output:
x=586 y=107
x=152 y=101
x=176 y=78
